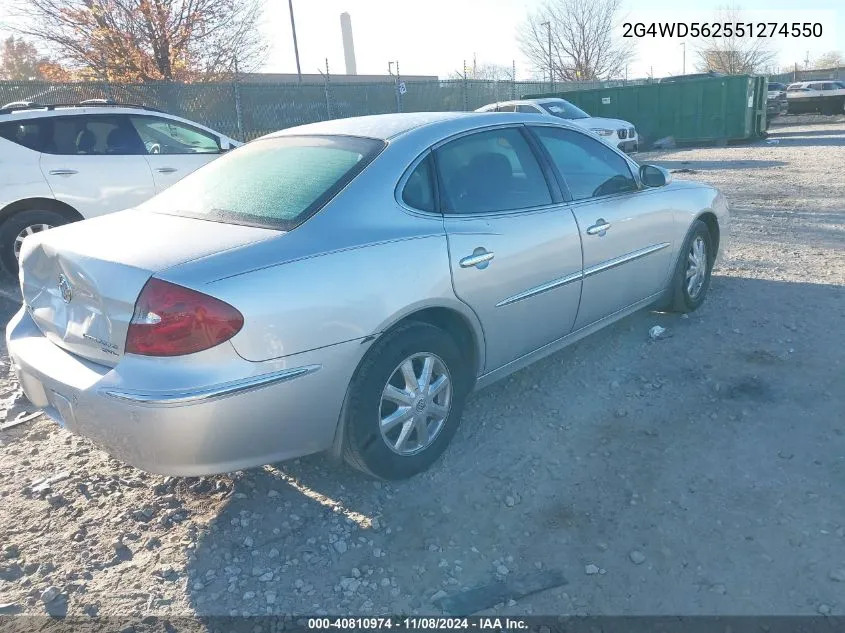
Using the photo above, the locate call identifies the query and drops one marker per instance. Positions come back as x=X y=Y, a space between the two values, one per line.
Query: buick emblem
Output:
x=65 y=289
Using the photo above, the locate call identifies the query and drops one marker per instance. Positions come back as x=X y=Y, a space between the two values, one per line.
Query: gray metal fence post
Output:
x=465 y=88
x=238 y=112
x=398 y=93
x=327 y=88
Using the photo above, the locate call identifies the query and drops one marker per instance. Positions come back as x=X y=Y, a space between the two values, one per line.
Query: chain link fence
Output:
x=247 y=110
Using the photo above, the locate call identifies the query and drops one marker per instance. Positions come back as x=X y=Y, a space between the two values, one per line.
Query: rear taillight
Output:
x=170 y=320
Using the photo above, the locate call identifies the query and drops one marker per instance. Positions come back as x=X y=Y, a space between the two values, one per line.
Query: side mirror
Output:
x=226 y=144
x=654 y=176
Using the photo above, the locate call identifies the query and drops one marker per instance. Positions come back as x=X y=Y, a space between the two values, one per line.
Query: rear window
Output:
x=24 y=133
x=274 y=183
x=564 y=110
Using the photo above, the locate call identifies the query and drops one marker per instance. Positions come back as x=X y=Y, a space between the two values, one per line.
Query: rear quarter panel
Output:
x=340 y=296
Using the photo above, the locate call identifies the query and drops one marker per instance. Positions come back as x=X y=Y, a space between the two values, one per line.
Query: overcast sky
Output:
x=434 y=37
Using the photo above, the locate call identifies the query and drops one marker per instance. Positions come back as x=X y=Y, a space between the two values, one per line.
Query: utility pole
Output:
x=684 y=71
x=548 y=26
x=295 y=46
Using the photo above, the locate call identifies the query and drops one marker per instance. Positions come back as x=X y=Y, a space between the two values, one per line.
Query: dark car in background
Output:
x=776 y=103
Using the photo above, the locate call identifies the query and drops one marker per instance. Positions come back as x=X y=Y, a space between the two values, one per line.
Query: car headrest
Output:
x=86 y=141
x=493 y=166
x=119 y=141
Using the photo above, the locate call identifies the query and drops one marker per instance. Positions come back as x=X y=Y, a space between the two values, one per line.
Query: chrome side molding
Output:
x=213 y=392
x=592 y=270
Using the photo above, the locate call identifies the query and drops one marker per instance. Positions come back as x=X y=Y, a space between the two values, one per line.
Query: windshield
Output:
x=273 y=183
x=564 y=110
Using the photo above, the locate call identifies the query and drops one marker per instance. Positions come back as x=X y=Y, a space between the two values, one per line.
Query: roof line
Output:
x=458 y=115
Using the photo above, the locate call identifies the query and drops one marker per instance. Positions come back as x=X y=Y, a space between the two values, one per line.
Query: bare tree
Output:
x=831 y=59
x=147 y=40
x=583 y=42
x=486 y=72
x=734 y=55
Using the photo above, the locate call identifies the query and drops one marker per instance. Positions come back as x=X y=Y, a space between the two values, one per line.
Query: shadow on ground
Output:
x=808 y=138
x=802 y=133
x=702 y=165
x=714 y=453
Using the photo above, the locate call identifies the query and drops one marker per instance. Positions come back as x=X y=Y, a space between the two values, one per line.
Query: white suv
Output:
x=62 y=163
x=615 y=132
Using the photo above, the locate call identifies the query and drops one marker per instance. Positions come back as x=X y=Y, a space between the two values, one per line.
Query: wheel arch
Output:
x=465 y=330
x=40 y=204
x=712 y=221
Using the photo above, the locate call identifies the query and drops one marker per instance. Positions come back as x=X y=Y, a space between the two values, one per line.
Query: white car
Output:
x=804 y=89
x=616 y=132
x=63 y=163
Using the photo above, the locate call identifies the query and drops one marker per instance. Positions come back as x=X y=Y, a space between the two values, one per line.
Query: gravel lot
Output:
x=699 y=474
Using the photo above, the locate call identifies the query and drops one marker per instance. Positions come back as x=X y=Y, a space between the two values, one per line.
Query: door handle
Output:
x=480 y=258
x=63 y=172
x=599 y=228
x=166 y=170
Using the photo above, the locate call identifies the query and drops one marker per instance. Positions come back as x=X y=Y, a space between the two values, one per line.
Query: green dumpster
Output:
x=706 y=110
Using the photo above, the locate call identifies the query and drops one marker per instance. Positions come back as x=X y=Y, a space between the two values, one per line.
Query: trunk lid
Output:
x=80 y=281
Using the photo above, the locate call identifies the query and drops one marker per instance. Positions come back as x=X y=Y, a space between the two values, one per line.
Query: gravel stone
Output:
x=637 y=557
x=50 y=593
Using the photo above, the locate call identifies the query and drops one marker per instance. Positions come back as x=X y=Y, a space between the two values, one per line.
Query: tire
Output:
x=686 y=295
x=381 y=454
x=14 y=226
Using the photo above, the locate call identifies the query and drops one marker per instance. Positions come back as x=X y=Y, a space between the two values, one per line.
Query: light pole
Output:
x=295 y=46
x=684 y=71
x=548 y=26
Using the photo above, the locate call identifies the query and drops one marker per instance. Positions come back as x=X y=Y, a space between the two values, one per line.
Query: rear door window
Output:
x=81 y=135
x=490 y=171
x=507 y=108
x=275 y=182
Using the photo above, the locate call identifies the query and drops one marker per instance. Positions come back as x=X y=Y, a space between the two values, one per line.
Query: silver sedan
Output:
x=345 y=285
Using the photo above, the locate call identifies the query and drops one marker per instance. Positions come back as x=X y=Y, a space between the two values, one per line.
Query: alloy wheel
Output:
x=696 y=267
x=415 y=403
